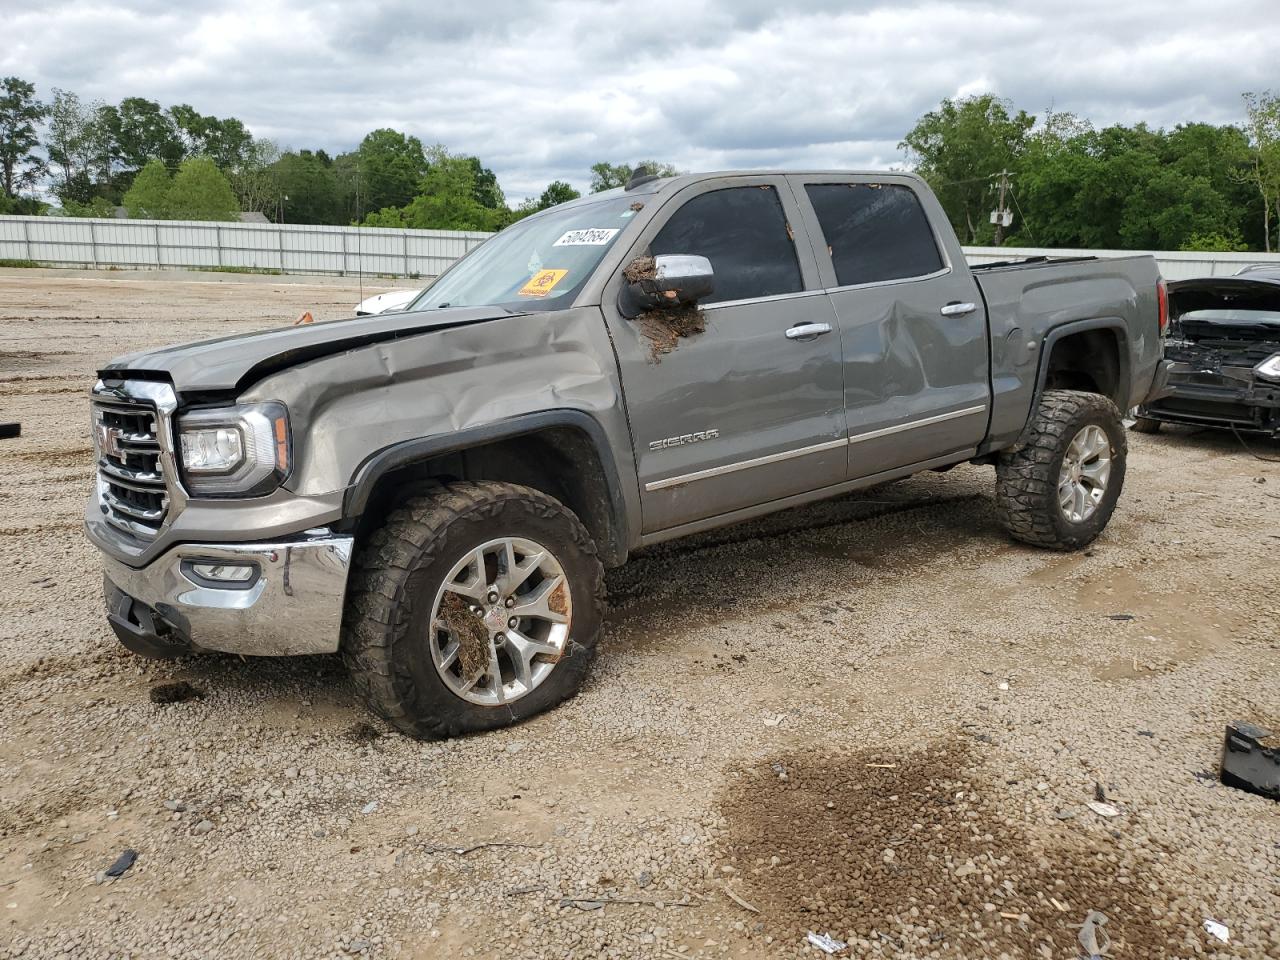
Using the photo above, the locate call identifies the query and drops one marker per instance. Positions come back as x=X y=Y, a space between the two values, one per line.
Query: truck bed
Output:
x=1027 y=299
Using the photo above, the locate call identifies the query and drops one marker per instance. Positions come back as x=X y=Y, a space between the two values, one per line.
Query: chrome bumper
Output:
x=293 y=606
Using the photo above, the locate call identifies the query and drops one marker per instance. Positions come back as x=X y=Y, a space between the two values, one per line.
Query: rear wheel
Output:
x=1061 y=488
x=475 y=607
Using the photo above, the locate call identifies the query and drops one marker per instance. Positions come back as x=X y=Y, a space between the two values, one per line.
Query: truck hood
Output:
x=233 y=363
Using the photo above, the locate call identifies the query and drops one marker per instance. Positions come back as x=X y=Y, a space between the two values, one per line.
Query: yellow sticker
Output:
x=542 y=283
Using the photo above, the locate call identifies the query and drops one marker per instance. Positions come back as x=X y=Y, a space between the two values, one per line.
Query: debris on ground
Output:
x=10 y=430
x=1251 y=759
x=178 y=691
x=1093 y=939
x=1099 y=792
x=363 y=732
x=1217 y=930
x=470 y=633
x=203 y=827
x=370 y=807
x=122 y=864
x=825 y=942
x=1121 y=616
x=1103 y=809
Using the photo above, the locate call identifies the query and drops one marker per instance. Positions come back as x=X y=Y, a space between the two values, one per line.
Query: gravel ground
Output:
x=874 y=718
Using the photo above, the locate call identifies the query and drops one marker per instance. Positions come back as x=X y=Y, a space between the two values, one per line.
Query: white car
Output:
x=388 y=302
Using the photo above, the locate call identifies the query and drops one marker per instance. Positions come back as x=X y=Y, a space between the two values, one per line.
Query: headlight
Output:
x=235 y=451
x=1269 y=369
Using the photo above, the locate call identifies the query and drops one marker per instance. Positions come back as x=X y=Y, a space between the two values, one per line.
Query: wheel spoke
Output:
x=1080 y=502
x=474 y=587
x=517 y=573
x=449 y=655
x=495 y=675
x=1097 y=472
x=536 y=602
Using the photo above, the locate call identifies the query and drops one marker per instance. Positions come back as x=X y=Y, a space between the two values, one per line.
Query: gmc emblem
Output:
x=109 y=441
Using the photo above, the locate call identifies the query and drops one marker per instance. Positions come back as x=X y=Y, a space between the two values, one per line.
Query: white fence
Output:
x=185 y=244
x=1174 y=264
x=290 y=248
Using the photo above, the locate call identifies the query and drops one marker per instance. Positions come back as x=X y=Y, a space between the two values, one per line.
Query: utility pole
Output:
x=1001 y=216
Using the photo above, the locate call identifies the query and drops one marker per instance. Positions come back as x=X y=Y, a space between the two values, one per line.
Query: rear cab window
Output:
x=743 y=232
x=874 y=232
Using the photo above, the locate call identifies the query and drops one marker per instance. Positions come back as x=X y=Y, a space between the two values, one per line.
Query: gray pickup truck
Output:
x=436 y=493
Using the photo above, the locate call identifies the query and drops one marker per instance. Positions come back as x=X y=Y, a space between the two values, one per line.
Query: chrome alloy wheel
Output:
x=1086 y=468
x=500 y=621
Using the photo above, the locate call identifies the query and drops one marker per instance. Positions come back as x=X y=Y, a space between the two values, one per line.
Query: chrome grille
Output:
x=129 y=430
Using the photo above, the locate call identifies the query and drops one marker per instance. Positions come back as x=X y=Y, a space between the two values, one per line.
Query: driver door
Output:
x=750 y=411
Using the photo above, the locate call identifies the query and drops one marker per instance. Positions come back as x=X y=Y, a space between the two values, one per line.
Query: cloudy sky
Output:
x=541 y=89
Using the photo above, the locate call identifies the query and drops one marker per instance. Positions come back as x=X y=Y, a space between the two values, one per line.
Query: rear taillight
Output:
x=1162 y=306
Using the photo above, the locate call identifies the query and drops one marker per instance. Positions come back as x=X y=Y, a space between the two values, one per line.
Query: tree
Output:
x=148 y=197
x=446 y=200
x=607 y=176
x=142 y=132
x=226 y=142
x=74 y=143
x=253 y=178
x=960 y=147
x=1263 y=110
x=308 y=188
x=20 y=111
x=557 y=192
x=384 y=170
x=200 y=191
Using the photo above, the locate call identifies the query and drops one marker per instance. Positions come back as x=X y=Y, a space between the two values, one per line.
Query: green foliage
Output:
x=308 y=188
x=148 y=197
x=1262 y=172
x=20 y=111
x=607 y=176
x=200 y=191
x=959 y=148
x=446 y=199
x=142 y=131
x=384 y=171
x=1215 y=243
x=557 y=192
x=96 y=207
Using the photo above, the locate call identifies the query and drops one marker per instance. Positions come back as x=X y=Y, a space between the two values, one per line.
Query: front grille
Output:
x=132 y=488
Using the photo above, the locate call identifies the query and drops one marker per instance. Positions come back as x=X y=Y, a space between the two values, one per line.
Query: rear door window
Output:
x=743 y=231
x=874 y=232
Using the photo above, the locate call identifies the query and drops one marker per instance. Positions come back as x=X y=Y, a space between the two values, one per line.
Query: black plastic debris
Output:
x=10 y=430
x=122 y=864
x=1121 y=616
x=1251 y=759
x=177 y=692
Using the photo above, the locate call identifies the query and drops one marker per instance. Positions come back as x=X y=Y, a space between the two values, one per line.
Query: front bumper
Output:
x=292 y=606
x=1231 y=397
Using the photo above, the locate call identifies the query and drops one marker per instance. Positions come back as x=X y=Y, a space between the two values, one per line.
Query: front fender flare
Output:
x=406 y=452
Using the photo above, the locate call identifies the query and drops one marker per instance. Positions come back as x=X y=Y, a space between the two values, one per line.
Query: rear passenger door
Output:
x=911 y=319
x=752 y=410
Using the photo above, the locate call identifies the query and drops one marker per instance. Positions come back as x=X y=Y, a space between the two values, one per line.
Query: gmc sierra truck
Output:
x=436 y=493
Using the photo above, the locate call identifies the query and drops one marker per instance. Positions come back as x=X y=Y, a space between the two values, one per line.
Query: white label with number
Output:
x=595 y=237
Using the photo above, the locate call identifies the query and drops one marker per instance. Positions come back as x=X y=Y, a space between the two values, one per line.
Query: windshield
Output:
x=535 y=264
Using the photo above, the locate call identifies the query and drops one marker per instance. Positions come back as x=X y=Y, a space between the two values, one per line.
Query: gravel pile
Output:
x=272 y=816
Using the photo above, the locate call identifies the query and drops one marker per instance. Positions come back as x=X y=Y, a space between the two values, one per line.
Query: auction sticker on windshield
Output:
x=594 y=237
x=542 y=283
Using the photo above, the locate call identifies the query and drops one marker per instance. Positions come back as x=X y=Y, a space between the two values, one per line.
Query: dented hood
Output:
x=233 y=363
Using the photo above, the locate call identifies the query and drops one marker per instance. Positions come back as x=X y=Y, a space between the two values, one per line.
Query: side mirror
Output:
x=667 y=281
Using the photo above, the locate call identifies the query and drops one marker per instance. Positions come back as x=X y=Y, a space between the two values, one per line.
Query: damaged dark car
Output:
x=1224 y=348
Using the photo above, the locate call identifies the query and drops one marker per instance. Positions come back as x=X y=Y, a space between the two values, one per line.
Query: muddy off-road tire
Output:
x=417 y=594
x=1060 y=489
x=1145 y=425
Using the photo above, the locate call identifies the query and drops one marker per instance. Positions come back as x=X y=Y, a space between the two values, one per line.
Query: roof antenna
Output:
x=641 y=175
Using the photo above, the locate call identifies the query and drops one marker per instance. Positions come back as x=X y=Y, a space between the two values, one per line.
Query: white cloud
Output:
x=540 y=89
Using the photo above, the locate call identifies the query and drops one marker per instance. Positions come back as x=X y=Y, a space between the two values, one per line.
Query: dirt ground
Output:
x=874 y=718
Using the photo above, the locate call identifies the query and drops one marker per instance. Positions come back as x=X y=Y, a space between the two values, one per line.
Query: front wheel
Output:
x=1060 y=489
x=474 y=607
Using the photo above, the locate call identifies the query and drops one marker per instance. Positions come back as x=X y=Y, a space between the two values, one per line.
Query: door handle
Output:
x=955 y=309
x=807 y=331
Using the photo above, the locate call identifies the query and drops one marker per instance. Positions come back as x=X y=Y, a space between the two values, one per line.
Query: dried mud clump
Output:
x=916 y=857
x=665 y=327
x=469 y=630
x=641 y=268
